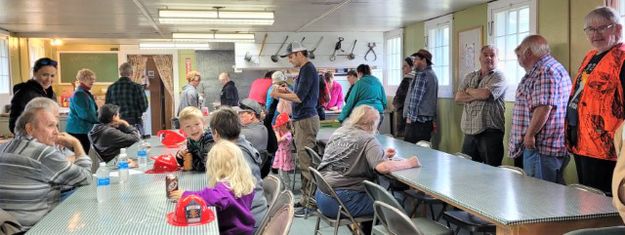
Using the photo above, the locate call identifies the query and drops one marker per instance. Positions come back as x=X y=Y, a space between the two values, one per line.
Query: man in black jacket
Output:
x=229 y=93
x=44 y=73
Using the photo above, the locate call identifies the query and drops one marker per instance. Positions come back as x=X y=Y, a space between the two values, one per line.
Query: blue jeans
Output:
x=358 y=203
x=544 y=167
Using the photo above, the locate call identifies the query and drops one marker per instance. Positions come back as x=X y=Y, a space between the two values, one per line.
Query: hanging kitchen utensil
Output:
x=274 y=57
x=311 y=55
x=248 y=56
x=351 y=55
x=302 y=41
x=371 y=45
x=262 y=47
x=337 y=47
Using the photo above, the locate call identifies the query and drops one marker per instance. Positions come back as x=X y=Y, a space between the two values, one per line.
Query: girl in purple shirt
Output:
x=230 y=188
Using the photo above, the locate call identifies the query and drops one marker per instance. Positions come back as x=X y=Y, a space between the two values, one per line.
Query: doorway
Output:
x=161 y=101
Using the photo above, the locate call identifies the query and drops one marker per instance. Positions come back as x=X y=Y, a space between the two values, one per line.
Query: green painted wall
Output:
x=579 y=44
x=559 y=21
x=182 y=75
x=554 y=26
x=414 y=38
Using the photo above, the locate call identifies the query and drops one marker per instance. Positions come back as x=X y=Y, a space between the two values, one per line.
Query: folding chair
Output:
x=379 y=194
x=513 y=169
x=466 y=221
x=279 y=218
x=95 y=159
x=425 y=144
x=271 y=187
x=587 y=189
x=422 y=198
x=343 y=217
x=615 y=230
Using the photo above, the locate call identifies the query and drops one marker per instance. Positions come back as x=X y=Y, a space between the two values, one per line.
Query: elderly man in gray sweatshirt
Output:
x=33 y=170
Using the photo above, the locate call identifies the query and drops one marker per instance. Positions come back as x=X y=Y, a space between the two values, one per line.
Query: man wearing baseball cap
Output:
x=304 y=96
x=250 y=114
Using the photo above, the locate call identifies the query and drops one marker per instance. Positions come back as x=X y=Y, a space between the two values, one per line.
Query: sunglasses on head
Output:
x=47 y=62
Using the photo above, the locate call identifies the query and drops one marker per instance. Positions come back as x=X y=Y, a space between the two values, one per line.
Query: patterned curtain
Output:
x=138 y=63
x=165 y=70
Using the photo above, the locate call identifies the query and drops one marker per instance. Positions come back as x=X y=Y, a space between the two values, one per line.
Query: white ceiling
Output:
x=125 y=19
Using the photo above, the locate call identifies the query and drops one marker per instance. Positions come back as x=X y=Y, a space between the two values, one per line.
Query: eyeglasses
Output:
x=600 y=29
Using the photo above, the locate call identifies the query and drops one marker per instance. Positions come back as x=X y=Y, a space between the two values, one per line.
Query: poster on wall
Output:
x=469 y=44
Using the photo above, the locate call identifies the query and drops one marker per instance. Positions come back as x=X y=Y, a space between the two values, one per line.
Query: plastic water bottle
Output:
x=142 y=155
x=122 y=165
x=103 y=183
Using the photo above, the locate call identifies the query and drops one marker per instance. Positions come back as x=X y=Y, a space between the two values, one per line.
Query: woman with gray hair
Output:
x=83 y=112
x=595 y=109
x=353 y=155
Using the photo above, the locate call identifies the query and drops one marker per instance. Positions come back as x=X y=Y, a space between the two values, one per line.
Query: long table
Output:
x=136 y=207
x=515 y=204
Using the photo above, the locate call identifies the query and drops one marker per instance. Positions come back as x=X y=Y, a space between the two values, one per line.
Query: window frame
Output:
x=391 y=35
x=506 y=5
x=4 y=35
x=444 y=91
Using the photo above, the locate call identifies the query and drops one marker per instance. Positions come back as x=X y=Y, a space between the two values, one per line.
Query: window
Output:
x=393 y=58
x=438 y=41
x=510 y=21
x=36 y=50
x=5 y=78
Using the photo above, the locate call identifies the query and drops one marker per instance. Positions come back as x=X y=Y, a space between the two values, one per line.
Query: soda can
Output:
x=171 y=184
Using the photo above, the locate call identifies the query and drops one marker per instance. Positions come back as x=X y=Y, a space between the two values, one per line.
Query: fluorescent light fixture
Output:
x=214 y=37
x=216 y=17
x=173 y=45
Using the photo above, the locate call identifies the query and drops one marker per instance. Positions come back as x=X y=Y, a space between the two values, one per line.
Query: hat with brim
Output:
x=250 y=105
x=190 y=210
x=292 y=48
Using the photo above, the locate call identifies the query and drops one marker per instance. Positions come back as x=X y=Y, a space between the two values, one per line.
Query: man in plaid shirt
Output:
x=421 y=100
x=129 y=96
x=539 y=111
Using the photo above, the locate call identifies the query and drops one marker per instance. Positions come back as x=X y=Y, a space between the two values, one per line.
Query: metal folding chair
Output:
x=279 y=218
x=343 y=217
x=425 y=225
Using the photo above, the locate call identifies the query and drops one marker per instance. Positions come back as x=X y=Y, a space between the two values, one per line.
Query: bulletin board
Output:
x=103 y=64
x=469 y=45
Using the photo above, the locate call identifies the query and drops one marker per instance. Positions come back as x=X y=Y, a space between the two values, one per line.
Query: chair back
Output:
x=315 y=158
x=394 y=220
x=513 y=169
x=378 y=193
x=587 y=189
x=463 y=155
x=279 y=218
x=425 y=144
x=95 y=159
x=615 y=230
x=9 y=224
x=271 y=187
x=325 y=187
